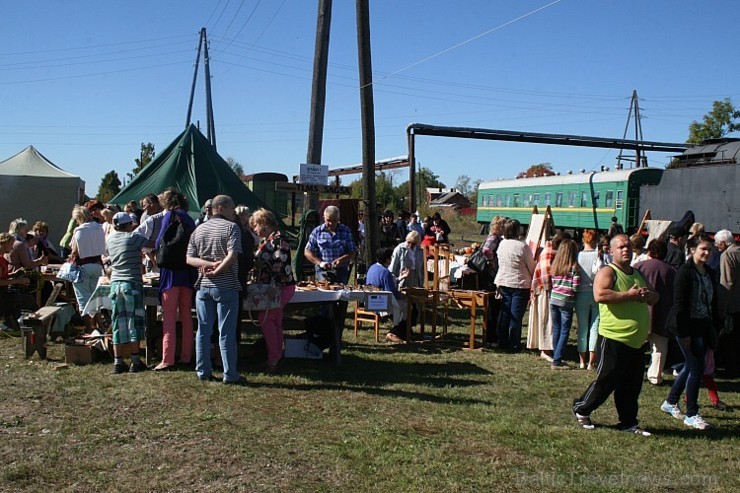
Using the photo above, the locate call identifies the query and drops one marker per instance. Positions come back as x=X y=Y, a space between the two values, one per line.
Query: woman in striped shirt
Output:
x=565 y=282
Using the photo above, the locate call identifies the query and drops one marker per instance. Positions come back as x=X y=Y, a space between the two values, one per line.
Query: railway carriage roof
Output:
x=574 y=179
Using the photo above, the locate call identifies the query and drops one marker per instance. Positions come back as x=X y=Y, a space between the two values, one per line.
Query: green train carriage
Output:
x=584 y=200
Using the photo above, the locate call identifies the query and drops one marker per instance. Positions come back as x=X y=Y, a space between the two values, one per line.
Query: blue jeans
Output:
x=210 y=303
x=690 y=376
x=510 y=323
x=562 y=319
x=587 y=317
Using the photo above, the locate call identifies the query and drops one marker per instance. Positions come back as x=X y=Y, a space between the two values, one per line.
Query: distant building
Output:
x=452 y=199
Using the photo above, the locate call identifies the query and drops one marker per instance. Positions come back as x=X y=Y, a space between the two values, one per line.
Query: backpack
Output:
x=173 y=246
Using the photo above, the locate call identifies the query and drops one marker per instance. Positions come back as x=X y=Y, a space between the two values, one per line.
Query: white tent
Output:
x=35 y=189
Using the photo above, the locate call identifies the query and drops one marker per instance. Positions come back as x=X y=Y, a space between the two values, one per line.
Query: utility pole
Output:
x=318 y=93
x=209 y=102
x=368 y=129
x=195 y=78
x=640 y=160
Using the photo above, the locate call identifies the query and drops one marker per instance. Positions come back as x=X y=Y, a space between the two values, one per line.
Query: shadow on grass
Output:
x=378 y=376
x=718 y=432
x=378 y=391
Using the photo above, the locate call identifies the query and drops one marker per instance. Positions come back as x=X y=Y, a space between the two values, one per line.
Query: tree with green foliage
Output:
x=396 y=198
x=109 y=187
x=145 y=157
x=722 y=120
x=236 y=166
x=424 y=178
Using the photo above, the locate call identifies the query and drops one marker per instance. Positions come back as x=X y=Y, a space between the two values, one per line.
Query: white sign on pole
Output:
x=314 y=174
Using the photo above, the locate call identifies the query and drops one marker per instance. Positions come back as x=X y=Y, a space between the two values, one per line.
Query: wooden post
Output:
x=318 y=94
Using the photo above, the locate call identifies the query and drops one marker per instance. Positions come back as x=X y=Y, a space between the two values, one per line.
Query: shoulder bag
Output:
x=70 y=272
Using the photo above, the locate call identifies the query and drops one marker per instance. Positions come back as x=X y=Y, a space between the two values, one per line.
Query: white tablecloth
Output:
x=100 y=299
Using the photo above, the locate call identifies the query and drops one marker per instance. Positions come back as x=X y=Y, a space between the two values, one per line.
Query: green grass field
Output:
x=424 y=417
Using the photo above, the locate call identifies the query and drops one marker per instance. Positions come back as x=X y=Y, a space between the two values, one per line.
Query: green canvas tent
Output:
x=193 y=166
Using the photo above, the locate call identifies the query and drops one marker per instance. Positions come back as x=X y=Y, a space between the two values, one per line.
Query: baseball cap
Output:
x=121 y=218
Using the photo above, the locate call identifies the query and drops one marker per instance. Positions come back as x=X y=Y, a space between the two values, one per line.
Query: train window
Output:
x=584 y=199
x=596 y=199
x=571 y=199
x=526 y=198
x=516 y=200
x=548 y=199
x=536 y=199
x=620 y=198
x=499 y=201
x=609 y=203
x=559 y=199
x=508 y=200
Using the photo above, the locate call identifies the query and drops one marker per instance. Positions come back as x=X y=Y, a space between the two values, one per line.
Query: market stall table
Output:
x=337 y=299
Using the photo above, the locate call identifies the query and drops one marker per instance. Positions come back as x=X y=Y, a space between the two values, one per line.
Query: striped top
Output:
x=124 y=251
x=564 y=288
x=213 y=240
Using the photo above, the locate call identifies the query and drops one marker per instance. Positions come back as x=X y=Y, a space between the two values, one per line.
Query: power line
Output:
x=81 y=76
x=235 y=16
x=35 y=63
x=470 y=40
x=219 y=15
x=213 y=13
x=87 y=47
x=136 y=57
x=244 y=24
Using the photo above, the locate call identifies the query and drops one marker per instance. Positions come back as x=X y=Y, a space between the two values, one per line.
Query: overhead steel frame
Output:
x=414 y=129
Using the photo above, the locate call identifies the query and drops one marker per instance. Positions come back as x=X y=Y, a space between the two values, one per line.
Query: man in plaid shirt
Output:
x=330 y=247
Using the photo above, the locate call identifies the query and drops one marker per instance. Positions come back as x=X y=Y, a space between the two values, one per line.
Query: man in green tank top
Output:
x=623 y=296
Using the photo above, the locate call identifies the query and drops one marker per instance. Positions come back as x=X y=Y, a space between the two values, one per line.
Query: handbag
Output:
x=478 y=261
x=261 y=297
x=70 y=272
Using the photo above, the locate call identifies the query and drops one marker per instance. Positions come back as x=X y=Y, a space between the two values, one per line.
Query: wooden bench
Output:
x=35 y=329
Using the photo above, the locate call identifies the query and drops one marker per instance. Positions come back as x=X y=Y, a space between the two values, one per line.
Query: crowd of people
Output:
x=683 y=290
x=205 y=263
x=681 y=295
x=431 y=230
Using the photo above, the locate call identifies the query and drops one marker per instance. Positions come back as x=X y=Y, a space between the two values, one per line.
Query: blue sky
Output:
x=87 y=82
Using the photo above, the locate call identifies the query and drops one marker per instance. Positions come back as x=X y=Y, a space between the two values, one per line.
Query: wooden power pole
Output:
x=367 y=110
x=211 y=126
x=318 y=93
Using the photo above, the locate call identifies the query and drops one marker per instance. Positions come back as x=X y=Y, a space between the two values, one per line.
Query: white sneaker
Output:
x=636 y=430
x=697 y=422
x=672 y=409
